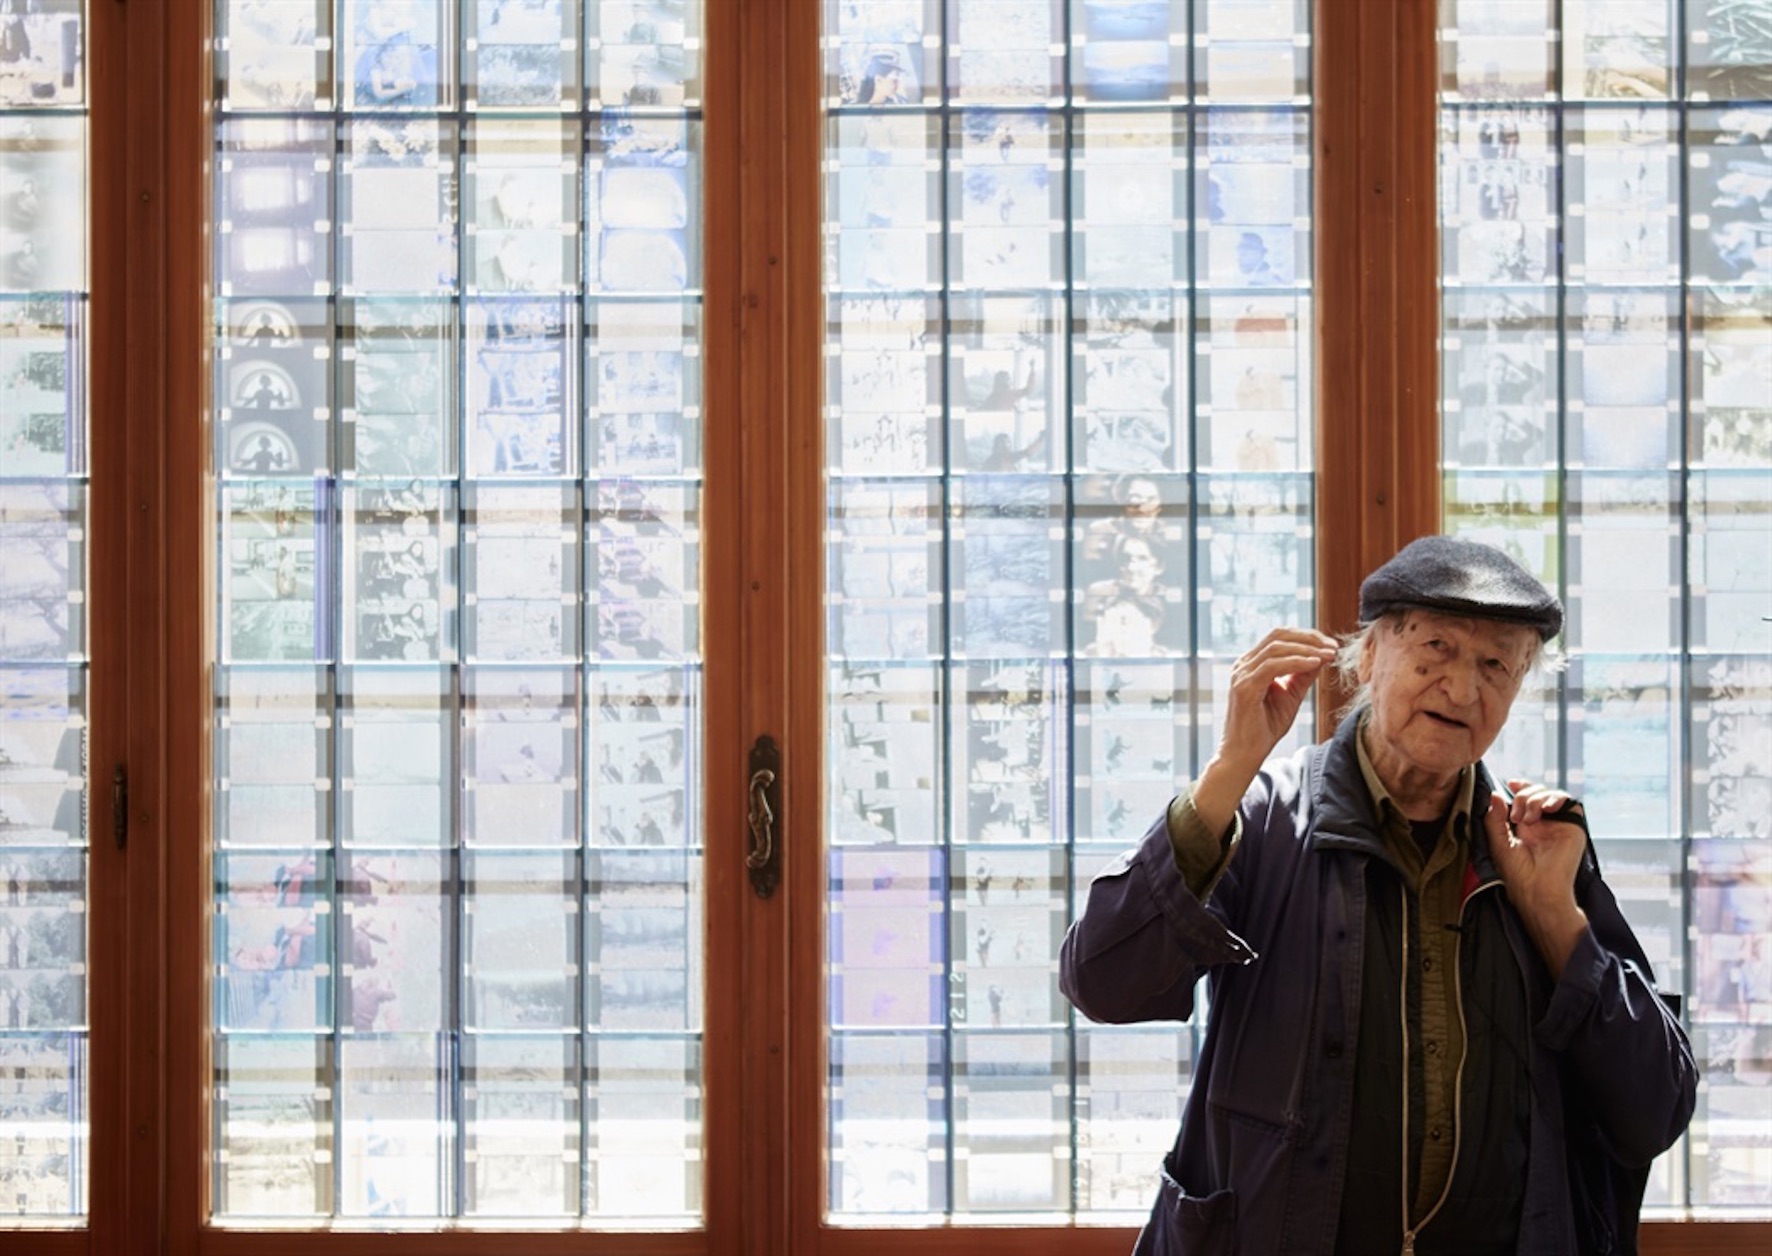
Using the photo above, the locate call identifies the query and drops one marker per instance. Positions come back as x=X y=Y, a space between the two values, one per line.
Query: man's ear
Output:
x=1368 y=648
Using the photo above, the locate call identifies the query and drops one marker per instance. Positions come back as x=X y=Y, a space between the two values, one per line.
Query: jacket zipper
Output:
x=1403 y=1017
x=1457 y=1076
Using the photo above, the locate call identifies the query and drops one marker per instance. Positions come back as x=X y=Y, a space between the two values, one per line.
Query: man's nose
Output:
x=1460 y=681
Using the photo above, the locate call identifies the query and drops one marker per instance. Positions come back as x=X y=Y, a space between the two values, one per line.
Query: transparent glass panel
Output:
x=1068 y=440
x=1619 y=49
x=45 y=680
x=1607 y=417
x=1497 y=50
x=1729 y=47
x=458 y=856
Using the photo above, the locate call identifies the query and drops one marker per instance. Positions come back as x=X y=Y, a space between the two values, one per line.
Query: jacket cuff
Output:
x=1201 y=855
x=1576 y=992
x=1204 y=936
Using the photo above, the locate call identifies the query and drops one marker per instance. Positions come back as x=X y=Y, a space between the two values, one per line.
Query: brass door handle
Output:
x=762 y=821
x=763 y=859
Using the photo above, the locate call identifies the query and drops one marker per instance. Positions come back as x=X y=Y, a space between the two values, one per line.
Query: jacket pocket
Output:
x=1258 y=1157
x=1189 y=1225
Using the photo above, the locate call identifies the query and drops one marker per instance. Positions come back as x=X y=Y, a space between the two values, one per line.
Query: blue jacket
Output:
x=1259 y=1163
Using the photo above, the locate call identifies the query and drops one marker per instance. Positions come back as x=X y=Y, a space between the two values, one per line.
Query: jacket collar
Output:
x=1344 y=815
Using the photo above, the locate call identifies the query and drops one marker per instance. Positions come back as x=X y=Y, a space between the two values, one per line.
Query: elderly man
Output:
x=1431 y=1029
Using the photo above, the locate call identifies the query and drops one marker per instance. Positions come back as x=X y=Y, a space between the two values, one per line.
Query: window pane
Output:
x=44 y=669
x=1607 y=408
x=457 y=848
x=1068 y=382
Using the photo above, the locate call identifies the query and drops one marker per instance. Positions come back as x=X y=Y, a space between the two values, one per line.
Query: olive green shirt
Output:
x=1438 y=888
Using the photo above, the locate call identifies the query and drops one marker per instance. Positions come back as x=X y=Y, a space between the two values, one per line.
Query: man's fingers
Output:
x=1278 y=662
x=1268 y=684
x=1495 y=821
x=1293 y=641
x=1298 y=636
x=1293 y=678
x=1272 y=648
x=1532 y=802
x=1527 y=808
x=1295 y=683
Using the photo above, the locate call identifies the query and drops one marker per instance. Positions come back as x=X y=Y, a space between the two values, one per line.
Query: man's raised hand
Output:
x=1268 y=685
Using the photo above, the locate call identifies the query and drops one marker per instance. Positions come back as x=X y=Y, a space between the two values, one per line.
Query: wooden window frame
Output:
x=153 y=500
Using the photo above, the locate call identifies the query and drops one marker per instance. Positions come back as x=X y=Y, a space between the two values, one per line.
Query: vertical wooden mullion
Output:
x=800 y=78
x=131 y=409
x=762 y=668
x=110 y=604
x=764 y=647
x=761 y=558
x=726 y=1176
x=145 y=605
x=183 y=116
x=1377 y=303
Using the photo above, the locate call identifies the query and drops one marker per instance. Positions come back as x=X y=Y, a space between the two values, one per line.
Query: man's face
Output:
x=1442 y=688
x=1139 y=565
x=1143 y=498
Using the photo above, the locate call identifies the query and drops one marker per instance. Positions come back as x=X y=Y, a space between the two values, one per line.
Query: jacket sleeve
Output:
x=1623 y=1044
x=1144 y=938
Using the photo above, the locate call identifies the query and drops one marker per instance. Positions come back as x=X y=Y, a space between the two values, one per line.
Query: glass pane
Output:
x=1618 y=49
x=1068 y=389
x=44 y=670
x=1496 y=49
x=457 y=848
x=1607 y=417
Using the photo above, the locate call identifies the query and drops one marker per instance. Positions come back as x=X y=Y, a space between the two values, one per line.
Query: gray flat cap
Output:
x=1457 y=577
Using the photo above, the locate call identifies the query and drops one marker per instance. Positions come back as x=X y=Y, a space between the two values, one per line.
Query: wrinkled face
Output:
x=1442 y=688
